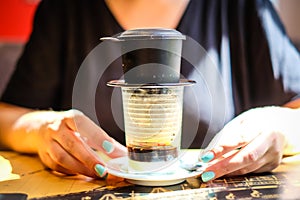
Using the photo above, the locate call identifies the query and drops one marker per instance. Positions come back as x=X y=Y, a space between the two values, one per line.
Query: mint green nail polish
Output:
x=100 y=170
x=207 y=157
x=108 y=146
x=207 y=176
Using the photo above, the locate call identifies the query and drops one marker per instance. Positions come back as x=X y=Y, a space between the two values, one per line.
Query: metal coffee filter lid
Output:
x=151 y=33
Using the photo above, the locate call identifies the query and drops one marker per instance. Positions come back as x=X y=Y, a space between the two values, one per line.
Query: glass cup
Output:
x=153 y=123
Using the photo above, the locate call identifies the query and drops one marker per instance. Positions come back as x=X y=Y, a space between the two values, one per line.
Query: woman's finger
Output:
x=49 y=162
x=257 y=167
x=62 y=158
x=268 y=167
x=241 y=159
x=236 y=134
x=56 y=158
x=265 y=164
x=93 y=135
x=250 y=168
x=74 y=145
x=223 y=144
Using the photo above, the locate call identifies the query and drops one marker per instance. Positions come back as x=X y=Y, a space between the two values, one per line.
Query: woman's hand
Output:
x=252 y=142
x=66 y=142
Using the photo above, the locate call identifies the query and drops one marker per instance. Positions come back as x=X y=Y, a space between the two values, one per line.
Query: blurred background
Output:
x=15 y=27
x=16 y=20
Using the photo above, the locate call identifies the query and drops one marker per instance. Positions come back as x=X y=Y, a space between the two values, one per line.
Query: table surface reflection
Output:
x=32 y=178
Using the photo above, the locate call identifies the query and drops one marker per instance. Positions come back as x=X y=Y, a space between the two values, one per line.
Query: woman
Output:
x=257 y=62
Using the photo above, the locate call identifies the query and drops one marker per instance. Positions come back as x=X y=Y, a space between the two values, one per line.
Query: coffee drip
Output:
x=152 y=94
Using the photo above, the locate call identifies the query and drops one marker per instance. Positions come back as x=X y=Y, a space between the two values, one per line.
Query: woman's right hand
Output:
x=67 y=140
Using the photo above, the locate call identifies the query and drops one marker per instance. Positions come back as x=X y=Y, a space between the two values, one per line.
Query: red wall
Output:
x=16 y=19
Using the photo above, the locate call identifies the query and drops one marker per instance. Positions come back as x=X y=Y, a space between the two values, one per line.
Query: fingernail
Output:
x=100 y=170
x=207 y=176
x=207 y=157
x=108 y=146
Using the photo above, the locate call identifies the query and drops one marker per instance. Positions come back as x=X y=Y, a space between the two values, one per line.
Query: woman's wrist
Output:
x=24 y=135
x=292 y=131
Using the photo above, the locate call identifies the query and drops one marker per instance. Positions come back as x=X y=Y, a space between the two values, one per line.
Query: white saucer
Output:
x=171 y=176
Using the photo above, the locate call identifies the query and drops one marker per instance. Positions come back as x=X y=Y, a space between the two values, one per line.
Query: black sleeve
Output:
x=36 y=79
x=265 y=63
x=285 y=57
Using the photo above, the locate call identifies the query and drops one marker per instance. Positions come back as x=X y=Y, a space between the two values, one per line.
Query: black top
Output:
x=250 y=63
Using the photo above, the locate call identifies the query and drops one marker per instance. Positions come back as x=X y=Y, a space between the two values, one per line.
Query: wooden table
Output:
x=40 y=183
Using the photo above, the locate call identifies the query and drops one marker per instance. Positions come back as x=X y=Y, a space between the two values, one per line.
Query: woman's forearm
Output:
x=15 y=134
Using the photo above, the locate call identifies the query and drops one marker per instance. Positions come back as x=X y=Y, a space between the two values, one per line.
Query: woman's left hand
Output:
x=252 y=142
